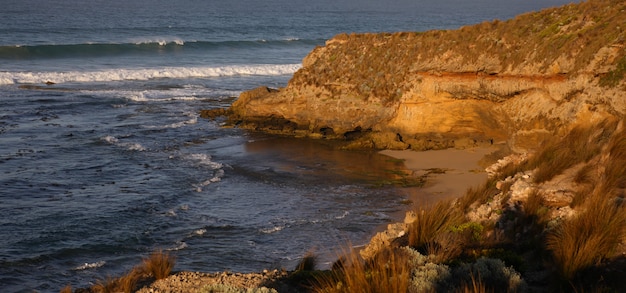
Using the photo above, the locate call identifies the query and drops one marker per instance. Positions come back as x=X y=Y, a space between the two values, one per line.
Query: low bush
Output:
x=487 y=275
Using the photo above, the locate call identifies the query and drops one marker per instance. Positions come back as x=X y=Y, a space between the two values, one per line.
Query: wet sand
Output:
x=461 y=170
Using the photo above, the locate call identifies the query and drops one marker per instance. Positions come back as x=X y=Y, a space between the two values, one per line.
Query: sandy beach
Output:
x=451 y=172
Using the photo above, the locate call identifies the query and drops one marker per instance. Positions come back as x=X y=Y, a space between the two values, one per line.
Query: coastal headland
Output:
x=517 y=81
x=546 y=87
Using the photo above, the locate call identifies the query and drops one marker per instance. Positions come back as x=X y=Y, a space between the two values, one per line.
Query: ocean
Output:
x=104 y=158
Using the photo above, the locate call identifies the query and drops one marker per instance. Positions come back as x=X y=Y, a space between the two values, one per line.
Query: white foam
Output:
x=192 y=120
x=87 y=266
x=272 y=229
x=110 y=139
x=137 y=97
x=204 y=160
x=133 y=146
x=146 y=74
x=128 y=145
x=199 y=231
x=180 y=245
x=345 y=214
x=162 y=41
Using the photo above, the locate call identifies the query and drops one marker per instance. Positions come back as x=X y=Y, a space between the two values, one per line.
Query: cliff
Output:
x=519 y=81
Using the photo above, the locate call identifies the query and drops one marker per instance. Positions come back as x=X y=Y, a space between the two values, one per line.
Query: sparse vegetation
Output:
x=616 y=75
x=307 y=263
x=154 y=267
x=580 y=145
x=446 y=252
x=388 y=271
x=158 y=265
x=572 y=33
x=588 y=238
x=478 y=195
x=431 y=223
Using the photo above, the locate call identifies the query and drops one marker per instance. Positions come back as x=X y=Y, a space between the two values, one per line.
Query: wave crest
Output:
x=146 y=74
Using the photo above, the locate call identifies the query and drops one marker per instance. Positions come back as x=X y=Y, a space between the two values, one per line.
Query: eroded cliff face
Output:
x=519 y=81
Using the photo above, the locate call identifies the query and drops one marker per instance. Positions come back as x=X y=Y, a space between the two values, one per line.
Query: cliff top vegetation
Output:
x=584 y=38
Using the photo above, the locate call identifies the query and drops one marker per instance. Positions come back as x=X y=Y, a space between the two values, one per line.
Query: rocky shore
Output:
x=196 y=282
x=459 y=170
x=517 y=83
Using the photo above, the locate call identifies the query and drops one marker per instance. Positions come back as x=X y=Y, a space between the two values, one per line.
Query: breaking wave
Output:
x=146 y=74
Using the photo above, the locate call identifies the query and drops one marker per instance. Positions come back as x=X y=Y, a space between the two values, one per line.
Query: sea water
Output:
x=104 y=158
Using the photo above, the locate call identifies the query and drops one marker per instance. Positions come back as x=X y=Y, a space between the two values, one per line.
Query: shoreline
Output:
x=450 y=172
x=462 y=170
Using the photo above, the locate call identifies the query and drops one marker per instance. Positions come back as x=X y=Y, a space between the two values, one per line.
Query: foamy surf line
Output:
x=146 y=74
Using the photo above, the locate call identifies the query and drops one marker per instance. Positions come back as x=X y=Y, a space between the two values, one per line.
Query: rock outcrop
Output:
x=519 y=81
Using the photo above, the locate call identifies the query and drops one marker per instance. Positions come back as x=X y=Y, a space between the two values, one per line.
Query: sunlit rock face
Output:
x=519 y=81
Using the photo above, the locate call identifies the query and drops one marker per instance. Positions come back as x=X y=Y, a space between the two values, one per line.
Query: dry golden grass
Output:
x=581 y=144
x=108 y=285
x=158 y=264
x=387 y=272
x=581 y=195
x=383 y=65
x=586 y=239
x=447 y=246
x=432 y=222
x=584 y=176
x=476 y=286
x=307 y=263
x=66 y=289
x=510 y=169
x=128 y=283
x=478 y=195
x=615 y=170
x=535 y=207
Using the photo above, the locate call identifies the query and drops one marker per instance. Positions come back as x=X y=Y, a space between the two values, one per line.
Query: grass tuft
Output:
x=128 y=283
x=159 y=264
x=586 y=239
x=479 y=195
x=67 y=289
x=387 y=271
x=580 y=145
x=615 y=171
x=431 y=223
x=307 y=263
x=476 y=285
x=108 y=285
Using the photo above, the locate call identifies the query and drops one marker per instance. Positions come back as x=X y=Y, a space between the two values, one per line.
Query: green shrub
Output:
x=493 y=273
